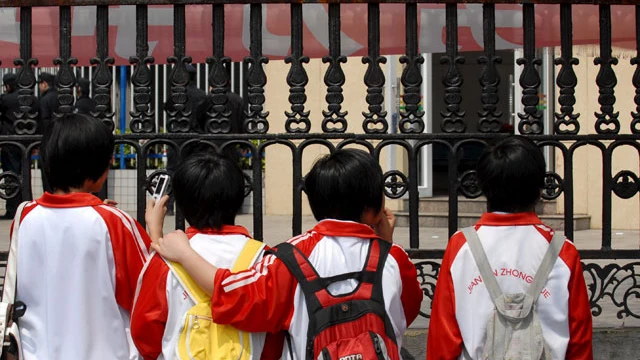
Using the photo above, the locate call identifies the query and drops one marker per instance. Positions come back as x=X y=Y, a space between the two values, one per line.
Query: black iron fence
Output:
x=611 y=282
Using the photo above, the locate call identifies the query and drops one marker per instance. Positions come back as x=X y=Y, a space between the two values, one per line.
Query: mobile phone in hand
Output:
x=162 y=185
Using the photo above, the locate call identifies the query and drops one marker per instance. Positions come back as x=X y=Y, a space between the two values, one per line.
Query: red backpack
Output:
x=352 y=326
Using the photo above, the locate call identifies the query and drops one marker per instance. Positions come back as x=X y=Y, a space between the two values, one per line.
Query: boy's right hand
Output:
x=385 y=225
x=154 y=216
x=173 y=246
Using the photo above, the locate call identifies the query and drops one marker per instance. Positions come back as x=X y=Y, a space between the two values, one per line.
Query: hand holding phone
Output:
x=162 y=185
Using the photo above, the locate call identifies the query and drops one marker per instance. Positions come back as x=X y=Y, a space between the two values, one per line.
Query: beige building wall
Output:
x=587 y=167
x=278 y=164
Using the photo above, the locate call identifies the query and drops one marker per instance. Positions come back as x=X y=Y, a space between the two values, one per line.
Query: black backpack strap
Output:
x=383 y=253
x=295 y=260
x=377 y=294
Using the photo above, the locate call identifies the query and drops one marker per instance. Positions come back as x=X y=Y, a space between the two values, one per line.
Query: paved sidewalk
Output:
x=277 y=228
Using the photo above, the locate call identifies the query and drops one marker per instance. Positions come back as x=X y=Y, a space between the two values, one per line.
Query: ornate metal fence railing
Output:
x=331 y=129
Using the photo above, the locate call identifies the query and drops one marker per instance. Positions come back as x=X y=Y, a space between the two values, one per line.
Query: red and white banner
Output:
x=276 y=30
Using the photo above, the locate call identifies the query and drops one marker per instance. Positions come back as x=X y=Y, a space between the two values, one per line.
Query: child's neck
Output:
x=72 y=191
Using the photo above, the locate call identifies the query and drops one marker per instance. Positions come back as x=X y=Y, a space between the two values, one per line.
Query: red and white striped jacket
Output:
x=515 y=245
x=162 y=302
x=268 y=298
x=78 y=266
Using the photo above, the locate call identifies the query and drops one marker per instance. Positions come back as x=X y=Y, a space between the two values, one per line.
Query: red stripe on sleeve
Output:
x=411 y=296
x=580 y=321
x=149 y=315
x=444 y=340
x=261 y=300
x=127 y=255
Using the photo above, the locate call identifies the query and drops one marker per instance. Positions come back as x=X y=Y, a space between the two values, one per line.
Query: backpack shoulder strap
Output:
x=375 y=263
x=549 y=259
x=10 y=279
x=195 y=292
x=247 y=257
x=303 y=271
x=482 y=262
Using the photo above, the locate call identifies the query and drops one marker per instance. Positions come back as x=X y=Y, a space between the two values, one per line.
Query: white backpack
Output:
x=10 y=310
x=514 y=331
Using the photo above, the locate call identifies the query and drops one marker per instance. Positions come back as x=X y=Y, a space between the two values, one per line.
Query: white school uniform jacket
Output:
x=78 y=265
x=267 y=297
x=162 y=302
x=515 y=245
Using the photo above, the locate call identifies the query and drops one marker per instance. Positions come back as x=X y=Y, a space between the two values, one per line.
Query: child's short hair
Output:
x=511 y=175
x=75 y=148
x=209 y=189
x=344 y=184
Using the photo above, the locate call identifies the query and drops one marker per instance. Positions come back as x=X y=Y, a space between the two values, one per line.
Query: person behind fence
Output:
x=209 y=192
x=236 y=107
x=84 y=103
x=337 y=281
x=11 y=155
x=48 y=98
x=510 y=251
x=48 y=106
x=195 y=96
x=78 y=258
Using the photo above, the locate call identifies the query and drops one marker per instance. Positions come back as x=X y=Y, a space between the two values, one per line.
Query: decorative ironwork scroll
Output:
x=218 y=115
x=626 y=184
x=566 y=121
x=469 y=186
x=334 y=77
x=489 y=78
x=256 y=121
x=428 y=272
x=607 y=122
x=619 y=283
x=10 y=184
x=297 y=78
x=25 y=119
x=553 y=186
x=102 y=79
x=142 y=118
x=65 y=79
x=635 y=123
x=453 y=116
x=411 y=120
x=531 y=119
x=396 y=184
x=179 y=112
x=375 y=119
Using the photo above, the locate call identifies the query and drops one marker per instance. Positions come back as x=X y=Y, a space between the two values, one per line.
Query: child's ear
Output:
x=100 y=182
x=370 y=216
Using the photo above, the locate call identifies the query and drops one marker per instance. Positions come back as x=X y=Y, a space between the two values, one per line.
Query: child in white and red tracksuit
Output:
x=511 y=176
x=78 y=258
x=209 y=190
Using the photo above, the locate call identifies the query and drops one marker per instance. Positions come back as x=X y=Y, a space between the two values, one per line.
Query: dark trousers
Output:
x=11 y=161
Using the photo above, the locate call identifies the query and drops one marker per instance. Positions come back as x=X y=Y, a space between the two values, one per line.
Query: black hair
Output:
x=10 y=80
x=344 y=184
x=209 y=189
x=75 y=148
x=49 y=78
x=191 y=70
x=511 y=175
x=84 y=85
